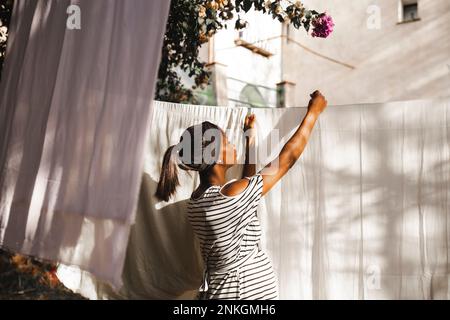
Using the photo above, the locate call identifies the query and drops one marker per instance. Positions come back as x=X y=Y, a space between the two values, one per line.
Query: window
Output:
x=409 y=10
x=251 y=95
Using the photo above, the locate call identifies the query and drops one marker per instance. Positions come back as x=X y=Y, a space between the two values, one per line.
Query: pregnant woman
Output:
x=223 y=214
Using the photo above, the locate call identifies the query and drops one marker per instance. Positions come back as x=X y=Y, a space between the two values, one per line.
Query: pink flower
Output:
x=322 y=26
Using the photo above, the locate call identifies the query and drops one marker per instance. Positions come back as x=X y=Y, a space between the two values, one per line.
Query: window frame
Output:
x=401 y=11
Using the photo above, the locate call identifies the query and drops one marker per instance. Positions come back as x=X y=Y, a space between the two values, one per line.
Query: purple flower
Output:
x=322 y=26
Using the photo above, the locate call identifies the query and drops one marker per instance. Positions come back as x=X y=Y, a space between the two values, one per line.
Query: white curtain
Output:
x=363 y=214
x=74 y=114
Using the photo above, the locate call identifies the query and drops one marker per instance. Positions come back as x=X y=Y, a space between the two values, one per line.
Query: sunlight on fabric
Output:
x=73 y=123
x=362 y=215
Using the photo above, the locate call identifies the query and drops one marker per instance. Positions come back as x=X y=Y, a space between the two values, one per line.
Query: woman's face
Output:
x=229 y=155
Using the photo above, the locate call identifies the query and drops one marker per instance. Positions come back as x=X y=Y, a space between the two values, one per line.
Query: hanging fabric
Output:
x=74 y=114
x=363 y=214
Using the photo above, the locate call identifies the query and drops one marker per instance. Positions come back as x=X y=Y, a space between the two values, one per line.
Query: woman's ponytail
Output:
x=168 y=180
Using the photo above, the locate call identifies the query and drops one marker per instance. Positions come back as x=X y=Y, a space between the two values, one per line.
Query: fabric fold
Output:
x=74 y=115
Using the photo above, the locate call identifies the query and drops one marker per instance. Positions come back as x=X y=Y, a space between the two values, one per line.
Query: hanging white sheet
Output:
x=363 y=214
x=74 y=114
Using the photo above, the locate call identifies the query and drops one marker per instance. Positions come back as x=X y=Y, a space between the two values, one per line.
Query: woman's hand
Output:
x=318 y=103
x=249 y=122
x=294 y=147
x=250 y=137
x=249 y=126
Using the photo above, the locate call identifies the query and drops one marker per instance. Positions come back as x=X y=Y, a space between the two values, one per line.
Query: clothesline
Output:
x=376 y=104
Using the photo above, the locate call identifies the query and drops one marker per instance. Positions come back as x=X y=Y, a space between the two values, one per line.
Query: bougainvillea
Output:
x=322 y=26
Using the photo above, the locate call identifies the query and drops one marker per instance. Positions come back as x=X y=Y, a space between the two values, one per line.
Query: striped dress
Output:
x=229 y=232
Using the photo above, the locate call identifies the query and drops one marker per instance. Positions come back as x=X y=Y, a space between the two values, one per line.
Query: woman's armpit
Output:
x=235 y=188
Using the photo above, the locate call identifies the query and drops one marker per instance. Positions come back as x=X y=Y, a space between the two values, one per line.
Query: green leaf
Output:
x=247 y=5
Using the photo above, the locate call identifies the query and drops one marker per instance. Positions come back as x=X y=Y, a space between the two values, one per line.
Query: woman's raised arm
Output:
x=289 y=154
x=294 y=147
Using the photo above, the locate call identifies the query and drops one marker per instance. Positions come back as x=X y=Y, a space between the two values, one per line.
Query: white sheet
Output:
x=74 y=114
x=363 y=214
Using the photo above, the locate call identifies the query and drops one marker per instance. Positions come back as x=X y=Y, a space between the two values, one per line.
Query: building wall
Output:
x=244 y=67
x=395 y=62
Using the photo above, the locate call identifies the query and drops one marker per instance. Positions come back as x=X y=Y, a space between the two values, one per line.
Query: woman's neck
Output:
x=214 y=176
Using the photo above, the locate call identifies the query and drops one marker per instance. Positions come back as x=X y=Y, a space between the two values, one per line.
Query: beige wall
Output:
x=396 y=62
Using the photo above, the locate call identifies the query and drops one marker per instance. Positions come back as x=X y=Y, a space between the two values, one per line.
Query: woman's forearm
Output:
x=294 y=147
x=249 y=164
x=296 y=144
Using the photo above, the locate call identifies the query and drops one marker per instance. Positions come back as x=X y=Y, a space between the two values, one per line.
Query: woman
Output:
x=223 y=214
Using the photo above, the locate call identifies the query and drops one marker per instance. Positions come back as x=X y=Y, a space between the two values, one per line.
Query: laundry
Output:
x=73 y=125
x=348 y=221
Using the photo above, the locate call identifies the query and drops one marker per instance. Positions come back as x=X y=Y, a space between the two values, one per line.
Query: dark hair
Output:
x=174 y=158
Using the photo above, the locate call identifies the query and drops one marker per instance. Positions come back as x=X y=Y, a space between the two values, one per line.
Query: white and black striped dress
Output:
x=229 y=233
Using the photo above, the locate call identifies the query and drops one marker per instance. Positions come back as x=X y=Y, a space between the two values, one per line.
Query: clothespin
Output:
x=249 y=111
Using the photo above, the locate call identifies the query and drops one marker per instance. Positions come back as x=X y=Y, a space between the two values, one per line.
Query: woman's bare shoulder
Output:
x=235 y=188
